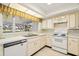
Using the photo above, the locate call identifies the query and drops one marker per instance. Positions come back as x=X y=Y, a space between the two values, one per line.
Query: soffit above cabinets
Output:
x=23 y=9
x=17 y=10
x=47 y=10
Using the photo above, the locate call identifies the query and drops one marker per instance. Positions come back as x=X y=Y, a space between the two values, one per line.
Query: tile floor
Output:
x=49 y=52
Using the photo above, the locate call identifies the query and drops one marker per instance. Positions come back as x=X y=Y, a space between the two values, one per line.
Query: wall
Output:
x=34 y=26
x=1 y=26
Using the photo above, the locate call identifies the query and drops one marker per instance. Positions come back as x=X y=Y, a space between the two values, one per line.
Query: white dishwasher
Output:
x=16 y=48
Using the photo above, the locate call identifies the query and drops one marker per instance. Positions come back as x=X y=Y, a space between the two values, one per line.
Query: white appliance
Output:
x=16 y=48
x=60 y=41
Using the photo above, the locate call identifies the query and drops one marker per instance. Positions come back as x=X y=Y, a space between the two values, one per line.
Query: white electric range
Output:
x=60 y=41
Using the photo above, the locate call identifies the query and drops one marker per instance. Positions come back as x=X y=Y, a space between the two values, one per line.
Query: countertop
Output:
x=6 y=40
x=11 y=39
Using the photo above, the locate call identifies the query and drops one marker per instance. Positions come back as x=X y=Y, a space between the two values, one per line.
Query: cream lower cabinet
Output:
x=30 y=48
x=42 y=41
x=73 y=45
x=35 y=44
x=49 y=40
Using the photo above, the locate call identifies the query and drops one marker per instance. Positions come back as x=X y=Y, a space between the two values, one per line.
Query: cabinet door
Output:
x=37 y=44
x=77 y=20
x=73 y=46
x=68 y=21
x=49 y=40
x=34 y=45
x=43 y=40
x=40 y=42
x=72 y=20
x=44 y=23
x=30 y=48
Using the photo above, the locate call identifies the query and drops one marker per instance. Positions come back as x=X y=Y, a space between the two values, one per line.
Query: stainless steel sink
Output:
x=30 y=35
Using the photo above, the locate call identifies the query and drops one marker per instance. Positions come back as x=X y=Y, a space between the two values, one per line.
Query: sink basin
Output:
x=30 y=35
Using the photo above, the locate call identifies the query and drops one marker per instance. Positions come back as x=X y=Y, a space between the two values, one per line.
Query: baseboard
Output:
x=71 y=54
x=48 y=46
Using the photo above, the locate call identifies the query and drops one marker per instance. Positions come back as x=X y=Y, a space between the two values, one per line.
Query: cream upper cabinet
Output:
x=73 y=45
x=77 y=20
x=48 y=23
x=73 y=21
x=59 y=19
x=68 y=20
x=44 y=23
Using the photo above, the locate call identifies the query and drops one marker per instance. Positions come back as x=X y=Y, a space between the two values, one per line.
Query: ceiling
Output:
x=47 y=10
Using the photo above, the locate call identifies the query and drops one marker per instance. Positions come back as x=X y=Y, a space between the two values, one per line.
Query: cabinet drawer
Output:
x=73 y=46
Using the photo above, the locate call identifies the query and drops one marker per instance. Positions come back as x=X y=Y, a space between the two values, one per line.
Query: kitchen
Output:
x=39 y=29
